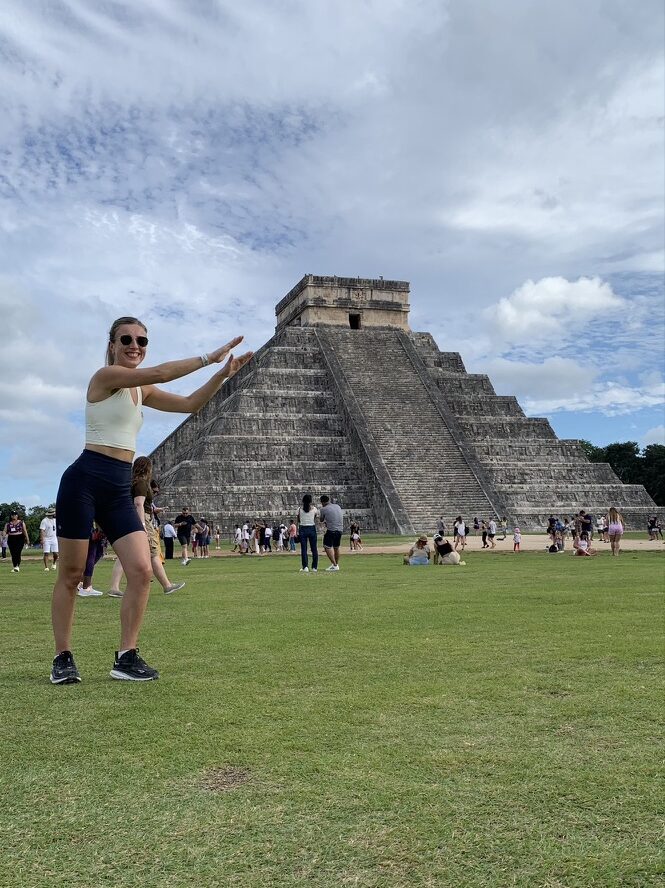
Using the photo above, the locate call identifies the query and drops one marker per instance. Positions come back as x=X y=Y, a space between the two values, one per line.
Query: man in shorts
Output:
x=49 y=539
x=331 y=514
x=183 y=525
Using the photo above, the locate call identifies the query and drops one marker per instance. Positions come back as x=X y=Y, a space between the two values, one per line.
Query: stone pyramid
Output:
x=345 y=399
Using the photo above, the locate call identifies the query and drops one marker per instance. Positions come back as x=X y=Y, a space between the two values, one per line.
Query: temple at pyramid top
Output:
x=354 y=303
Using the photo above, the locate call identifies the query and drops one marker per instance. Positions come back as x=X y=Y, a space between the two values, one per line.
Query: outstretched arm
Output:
x=171 y=403
x=110 y=379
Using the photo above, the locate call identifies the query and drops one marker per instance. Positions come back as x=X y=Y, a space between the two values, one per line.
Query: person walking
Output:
x=307 y=514
x=184 y=523
x=49 y=540
x=615 y=529
x=95 y=552
x=17 y=537
x=97 y=485
x=142 y=496
x=3 y=542
x=331 y=515
x=491 y=533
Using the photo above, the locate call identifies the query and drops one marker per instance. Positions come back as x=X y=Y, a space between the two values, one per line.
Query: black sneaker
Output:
x=64 y=669
x=131 y=667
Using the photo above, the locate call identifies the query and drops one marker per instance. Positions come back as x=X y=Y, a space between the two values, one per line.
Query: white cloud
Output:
x=655 y=435
x=188 y=162
x=552 y=306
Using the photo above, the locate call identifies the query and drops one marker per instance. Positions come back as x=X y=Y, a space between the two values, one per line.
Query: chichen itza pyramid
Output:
x=345 y=399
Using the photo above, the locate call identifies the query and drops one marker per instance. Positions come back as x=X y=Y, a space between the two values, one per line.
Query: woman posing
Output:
x=97 y=486
x=17 y=537
x=307 y=528
x=615 y=529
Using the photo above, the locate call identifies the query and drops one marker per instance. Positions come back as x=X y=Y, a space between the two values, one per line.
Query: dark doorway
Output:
x=354 y=321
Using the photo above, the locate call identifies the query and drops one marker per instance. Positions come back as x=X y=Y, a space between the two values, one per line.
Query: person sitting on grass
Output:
x=582 y=546
x=444 y=552
x=419 y=553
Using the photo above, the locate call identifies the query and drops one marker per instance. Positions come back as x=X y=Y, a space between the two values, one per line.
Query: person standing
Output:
x=17 y=537
x=307 y=530
x=441 y=526
x=169 y=540
x=97 y=486
x=517 y=539
x=460 y=532
x=331 y=515
x=615 y=529
x=3 y=542
x=183 y=524
x=48 y=539
x=293 y=533
x=491 y=533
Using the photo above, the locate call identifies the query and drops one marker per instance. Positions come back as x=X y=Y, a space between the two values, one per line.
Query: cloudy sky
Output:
x=189 y=160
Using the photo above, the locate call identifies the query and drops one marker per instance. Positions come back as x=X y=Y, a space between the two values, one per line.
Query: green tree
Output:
x=625 y=460
x=653 y=472
x=594 y=454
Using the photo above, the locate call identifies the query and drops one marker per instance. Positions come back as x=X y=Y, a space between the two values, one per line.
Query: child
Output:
x=517 y=539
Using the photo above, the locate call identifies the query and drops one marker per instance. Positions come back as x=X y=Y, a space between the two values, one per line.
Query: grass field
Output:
x=493 y=725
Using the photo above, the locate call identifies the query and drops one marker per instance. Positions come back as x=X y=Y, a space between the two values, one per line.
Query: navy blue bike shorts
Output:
x=96 y=487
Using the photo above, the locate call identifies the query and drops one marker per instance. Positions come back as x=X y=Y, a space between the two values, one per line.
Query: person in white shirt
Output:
x=170 y=535
x=491 y=533
x=49 y=539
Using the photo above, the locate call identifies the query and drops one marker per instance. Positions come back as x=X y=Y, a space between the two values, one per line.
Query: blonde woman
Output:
x=615 y=529
x=97 y=485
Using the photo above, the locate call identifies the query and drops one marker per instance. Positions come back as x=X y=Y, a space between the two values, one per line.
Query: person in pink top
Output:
x=615 y=529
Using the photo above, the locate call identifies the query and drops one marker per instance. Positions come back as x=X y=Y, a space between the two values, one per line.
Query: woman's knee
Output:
x=139 y=573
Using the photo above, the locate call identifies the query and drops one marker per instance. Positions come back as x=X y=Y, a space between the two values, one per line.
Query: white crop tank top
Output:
x=115 y=421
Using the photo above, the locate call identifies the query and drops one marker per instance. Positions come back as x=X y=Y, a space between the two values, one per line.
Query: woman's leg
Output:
x=73 y=555
x=116 y=575
x=160 y=573
x=303 y=548
x=14 y=550
x=315 y=551
x=134 y=555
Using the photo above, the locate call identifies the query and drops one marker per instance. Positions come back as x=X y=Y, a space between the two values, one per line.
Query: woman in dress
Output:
x=97 y=486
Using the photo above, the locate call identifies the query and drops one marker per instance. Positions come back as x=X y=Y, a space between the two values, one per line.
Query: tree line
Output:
x=634 y=466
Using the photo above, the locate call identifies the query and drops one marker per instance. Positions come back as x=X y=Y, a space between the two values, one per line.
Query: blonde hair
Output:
x=119 y=322
x=614 y=515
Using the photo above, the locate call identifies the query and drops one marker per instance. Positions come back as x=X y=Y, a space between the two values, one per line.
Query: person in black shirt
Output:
x=183 y=525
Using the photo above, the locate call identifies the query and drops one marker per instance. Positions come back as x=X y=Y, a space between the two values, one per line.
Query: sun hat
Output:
x=422 y=538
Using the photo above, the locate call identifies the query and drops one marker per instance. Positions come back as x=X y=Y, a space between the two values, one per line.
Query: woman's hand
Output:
x=217 y=356
x=234 y=364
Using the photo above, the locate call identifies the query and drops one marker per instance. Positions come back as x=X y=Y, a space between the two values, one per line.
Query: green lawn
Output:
x=494 y=725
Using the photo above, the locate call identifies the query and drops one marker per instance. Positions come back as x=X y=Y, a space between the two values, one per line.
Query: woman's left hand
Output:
x=234 y=364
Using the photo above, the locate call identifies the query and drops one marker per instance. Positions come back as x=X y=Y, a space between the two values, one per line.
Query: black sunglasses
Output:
x=126 y=339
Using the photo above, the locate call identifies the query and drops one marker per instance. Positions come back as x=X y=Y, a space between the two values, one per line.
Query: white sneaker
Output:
x=47 y=569
x=15 y=570
x=185 y=561
x=89 y=593
x=304 y=570
x=332 y=567
x=315 y=570
x=55 y=567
